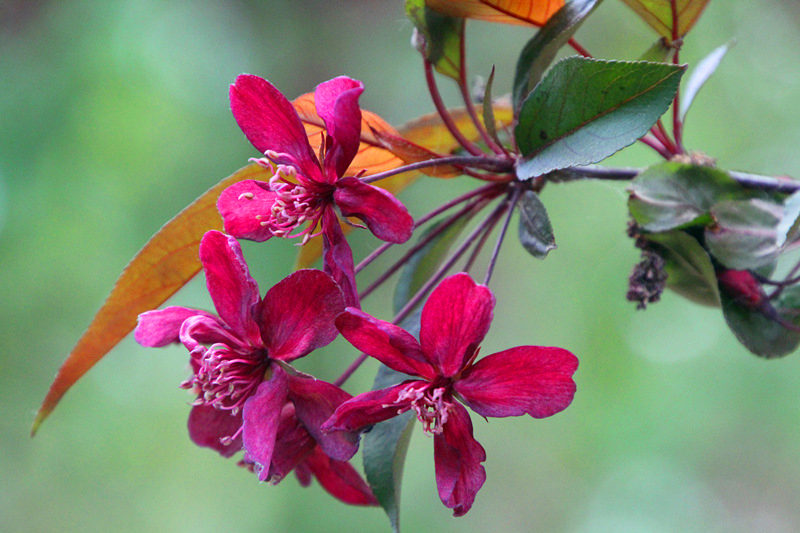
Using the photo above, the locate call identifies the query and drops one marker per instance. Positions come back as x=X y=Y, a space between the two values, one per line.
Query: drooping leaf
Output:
x=164 y=265
x=535 y=231
x=540 y=51
x=658 y=14
x=384 y=447
x=763 y=335
x=670 y=195
x=688 y=266
x=700 y=75
x=535 y=12
x=424 y=263
x=584 y=110
x=443 y=36
x=744 y=233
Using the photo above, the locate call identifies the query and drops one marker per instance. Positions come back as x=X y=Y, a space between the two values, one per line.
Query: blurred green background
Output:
x=114 y=116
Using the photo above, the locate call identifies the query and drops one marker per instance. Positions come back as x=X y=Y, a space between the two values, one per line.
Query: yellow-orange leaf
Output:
x=658 y=14
x=535 y=12
x=165 y=264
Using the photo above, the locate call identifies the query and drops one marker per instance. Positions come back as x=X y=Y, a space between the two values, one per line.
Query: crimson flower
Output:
x=304 y=188
x=530 y=380
x=248 y=395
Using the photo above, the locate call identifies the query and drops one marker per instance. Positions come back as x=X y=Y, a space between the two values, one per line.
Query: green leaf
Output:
x=443 y=36
x=535 y=230
x=700 y=75
x=745 y=234
x=384 y=450
x=688 y=266
x=660 y=52
x=584 y=110
x=384 y=447
x=761 y=334
x=540 y=51
x=671 y=195
x=658 y=14
x=488 y=110
x=789 y=228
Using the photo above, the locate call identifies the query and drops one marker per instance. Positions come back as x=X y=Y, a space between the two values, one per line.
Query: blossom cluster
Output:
x=249 y=396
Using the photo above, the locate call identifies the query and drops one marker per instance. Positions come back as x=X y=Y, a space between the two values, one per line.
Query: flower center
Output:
x=226 y=379
x=432 y=405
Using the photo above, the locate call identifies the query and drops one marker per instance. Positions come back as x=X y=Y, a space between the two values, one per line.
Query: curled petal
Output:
x=386 y=342
x=260 y=420
x=244 y=206
x=341 y=480
x=232 y=289
x=454 y=321
x=527 y=379
x=200 y=329
x=458 y=457
x=297 y=314
x=159 y=328
x=338 y=257
x=210 y=428
x=270 y=122
x=384 y=215
x=337 y=104
x=314 y=402
x=370 y=408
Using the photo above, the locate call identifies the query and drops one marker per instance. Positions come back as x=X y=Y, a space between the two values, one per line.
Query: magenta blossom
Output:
x=305 y=189
x=240 y=361
x=530 y=380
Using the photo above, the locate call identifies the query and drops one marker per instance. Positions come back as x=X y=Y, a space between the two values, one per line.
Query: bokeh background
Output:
x=114 y=116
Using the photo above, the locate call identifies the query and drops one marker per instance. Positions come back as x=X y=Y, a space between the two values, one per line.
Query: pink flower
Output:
x=530 y=380
x=304 y=190
x=248 y=395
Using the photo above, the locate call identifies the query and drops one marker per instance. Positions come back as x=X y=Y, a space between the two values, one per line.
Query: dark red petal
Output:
x=260 y=420
x=159 y=328
x=293 y=445
x=207 y=426
x=243 y=206
x=370 y=408
x=458 y=457
x=527 y=379
x=270 y=122
x=337 y=104
x=298 y=313
x=204 y=330
x=341 y=480
x=384 y=215
x=454 y=321
x=338 y=257
x=389 y=344
x=314 y=402
x=232 y=289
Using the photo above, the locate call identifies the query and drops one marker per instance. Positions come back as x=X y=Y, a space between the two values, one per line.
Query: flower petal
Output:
x=458 y=457
x=371 y=407
x=260 y=420
x=270 y=122
x=161 y=327
x=384 y=215
x=337 y=104
x=314 y=402
x=338 y=257
x=389 y=344
x=200 y=329
x=297 y=314
x=293 y=445
x=232 y=289
x=340 y=479
x=535 y=380
x=454 y=321
x=243 y=206
x=207 y=426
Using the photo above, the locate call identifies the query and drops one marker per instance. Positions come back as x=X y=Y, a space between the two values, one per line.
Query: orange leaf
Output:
x=658 y=14
x=165 y=264
x=535 y=12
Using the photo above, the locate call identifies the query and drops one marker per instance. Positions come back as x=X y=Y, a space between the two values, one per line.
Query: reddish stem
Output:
x=512 y=203
x=442 y=110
